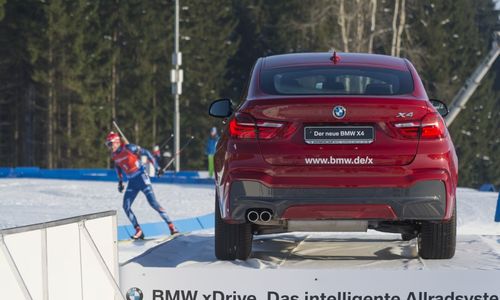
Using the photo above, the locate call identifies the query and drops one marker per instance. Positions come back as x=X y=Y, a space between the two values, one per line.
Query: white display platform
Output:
x=281 y=284
x=312 y=266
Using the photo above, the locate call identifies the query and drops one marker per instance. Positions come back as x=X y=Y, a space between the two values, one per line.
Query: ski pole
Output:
x=125 y=140
x=171 y=161
x=165 y=143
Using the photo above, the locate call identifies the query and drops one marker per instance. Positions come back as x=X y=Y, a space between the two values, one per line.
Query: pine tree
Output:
x=458 y=35
x=84 y=111
x=2 y=11
x=210 y=28
x=153 y=62
x=473 y=131
x=144 y=76
x=22 y=112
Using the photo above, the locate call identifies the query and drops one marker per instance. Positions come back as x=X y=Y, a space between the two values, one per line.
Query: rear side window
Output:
x=345 y=80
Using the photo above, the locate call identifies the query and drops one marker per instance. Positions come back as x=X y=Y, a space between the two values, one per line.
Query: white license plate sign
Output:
x=339 y=134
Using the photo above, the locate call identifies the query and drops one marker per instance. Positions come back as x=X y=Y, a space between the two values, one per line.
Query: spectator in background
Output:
x=157 y=155
x=210 y=150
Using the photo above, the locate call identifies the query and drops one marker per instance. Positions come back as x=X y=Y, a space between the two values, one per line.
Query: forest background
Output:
x=69 y=67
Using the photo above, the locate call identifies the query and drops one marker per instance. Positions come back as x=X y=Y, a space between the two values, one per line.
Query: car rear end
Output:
x=336 y=146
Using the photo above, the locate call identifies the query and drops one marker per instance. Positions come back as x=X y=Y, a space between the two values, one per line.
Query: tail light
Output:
x=268 y=130
x=244 y=126
x=433 y=127
x=430 y=127
x=408 y=130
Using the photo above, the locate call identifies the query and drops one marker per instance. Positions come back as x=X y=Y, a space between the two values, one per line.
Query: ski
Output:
x=155 y=238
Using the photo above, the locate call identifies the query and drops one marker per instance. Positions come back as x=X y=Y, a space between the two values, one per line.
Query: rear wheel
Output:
x=232 y=241
x=438 y=240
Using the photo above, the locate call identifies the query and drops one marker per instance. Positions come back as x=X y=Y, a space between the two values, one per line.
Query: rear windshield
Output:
x=345 y=80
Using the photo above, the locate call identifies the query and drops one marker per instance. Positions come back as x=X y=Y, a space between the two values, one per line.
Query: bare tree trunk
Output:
x=55 y=127
x=402 y=21
x=108 y=160
x=136 y=133
x=155 y=67
x=394 y=27
x=373 y=6
x=50 y=110
x=343 y=29
x=114 y=79
x=68 y=133
x=114 y=83
x=153 y=129
x=360 y=28
x=15 y=147
x=28 y=157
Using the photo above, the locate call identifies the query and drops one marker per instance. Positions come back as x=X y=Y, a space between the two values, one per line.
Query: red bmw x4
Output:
x=334 y=142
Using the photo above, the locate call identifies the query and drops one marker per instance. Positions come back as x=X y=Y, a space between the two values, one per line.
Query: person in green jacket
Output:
x=210 y=147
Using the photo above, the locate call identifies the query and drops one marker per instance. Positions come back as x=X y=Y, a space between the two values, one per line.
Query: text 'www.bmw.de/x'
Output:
x=339 y=160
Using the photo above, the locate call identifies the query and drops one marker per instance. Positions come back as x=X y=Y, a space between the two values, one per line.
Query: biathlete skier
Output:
x=127 y=159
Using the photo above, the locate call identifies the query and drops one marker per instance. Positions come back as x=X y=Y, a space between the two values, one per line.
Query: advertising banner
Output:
x=299 y=284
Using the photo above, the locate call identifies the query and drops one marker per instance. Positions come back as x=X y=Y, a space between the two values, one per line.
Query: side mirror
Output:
x=441 y=108
x=221 y=108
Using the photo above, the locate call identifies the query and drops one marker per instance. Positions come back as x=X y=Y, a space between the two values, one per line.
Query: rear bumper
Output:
x=423 y=200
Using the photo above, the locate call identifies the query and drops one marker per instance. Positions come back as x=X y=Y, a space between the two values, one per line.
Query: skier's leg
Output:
x=128 y=199
x=150 y=195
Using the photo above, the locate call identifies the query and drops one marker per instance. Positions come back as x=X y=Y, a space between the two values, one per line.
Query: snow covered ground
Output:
x=28 y=201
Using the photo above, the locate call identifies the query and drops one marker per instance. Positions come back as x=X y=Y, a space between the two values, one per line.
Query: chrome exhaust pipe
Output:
x=265 y=216
x=253 y=216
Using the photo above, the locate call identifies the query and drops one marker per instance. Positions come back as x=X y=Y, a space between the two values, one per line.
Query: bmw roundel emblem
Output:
x=134 y=294
x=339 y=112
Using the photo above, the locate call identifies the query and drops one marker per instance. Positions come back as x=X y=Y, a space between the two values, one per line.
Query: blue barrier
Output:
x=27 y=171
x=79 y=174
x=497 y=214
x=6 y=172
x=187 y=177
x=182 y=179
x=160 y=228
x=487 y=187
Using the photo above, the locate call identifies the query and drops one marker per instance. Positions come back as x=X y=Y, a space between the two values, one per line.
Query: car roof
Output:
x=324 y=58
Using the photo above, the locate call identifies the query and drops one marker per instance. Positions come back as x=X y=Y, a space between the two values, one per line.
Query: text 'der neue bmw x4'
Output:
x=334 y=142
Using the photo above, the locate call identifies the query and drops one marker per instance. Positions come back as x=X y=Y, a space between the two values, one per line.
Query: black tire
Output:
x=438 y=240
x=232 y=241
